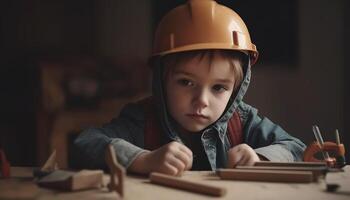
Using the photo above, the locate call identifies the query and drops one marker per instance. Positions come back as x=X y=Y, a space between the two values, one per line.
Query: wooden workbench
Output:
x=21 y=186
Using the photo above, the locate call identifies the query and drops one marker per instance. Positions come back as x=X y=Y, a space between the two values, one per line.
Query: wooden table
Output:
x=21 y=186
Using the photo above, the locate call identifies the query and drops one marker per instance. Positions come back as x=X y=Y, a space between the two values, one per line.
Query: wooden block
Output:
x=317 y=172
x=266 y=175
x=71 y=181
x=177 y=182
x=291 y=164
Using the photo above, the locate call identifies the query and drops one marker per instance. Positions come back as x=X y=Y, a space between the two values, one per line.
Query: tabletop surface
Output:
x=22 y=186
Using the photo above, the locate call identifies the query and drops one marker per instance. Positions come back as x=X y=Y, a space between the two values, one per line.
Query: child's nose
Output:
x=201 y=99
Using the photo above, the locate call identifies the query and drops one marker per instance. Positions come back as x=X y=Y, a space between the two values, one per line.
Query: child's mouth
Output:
x=198 y=117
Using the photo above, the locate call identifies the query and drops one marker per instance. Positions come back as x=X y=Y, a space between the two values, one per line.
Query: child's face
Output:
x=198 y=91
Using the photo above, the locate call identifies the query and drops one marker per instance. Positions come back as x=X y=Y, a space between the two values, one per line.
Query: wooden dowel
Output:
x=291 y=164
x=266 y=175
x=337 y=138
x=51 y=163
x=191 y=186
x=316 y=171
x=115 y=170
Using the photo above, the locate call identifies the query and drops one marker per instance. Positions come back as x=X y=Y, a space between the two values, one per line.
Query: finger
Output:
x=184 y=158
x=189 y=153
x=247 y=160
x=244 y=160
x=248 y=157
x=186 y=150
x=181 y=152
x=236 y=149
x=190 y=163
x=178 y=164
x=250 y=162
x=234 y=157
x=168 y=169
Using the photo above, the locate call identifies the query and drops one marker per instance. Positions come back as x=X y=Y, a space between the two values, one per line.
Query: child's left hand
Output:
x=242 y=155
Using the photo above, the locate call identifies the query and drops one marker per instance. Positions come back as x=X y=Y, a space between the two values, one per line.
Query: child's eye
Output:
x=219 y=88
x=185 y=82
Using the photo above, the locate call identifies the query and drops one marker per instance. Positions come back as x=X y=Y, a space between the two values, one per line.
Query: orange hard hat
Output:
x=202 y=24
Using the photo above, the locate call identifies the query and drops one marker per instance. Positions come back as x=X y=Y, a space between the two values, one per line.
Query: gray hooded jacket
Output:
x=126 y=132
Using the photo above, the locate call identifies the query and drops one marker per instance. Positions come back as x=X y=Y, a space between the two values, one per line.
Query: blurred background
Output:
x=66 y=65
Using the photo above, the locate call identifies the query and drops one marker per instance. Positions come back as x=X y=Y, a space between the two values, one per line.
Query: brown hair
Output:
x=234 y=57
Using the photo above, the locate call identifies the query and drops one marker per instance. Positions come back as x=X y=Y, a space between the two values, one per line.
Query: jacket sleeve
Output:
x=125 y=133
x=269 y=139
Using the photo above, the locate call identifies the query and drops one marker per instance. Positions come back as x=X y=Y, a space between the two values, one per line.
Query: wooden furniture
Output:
x=20 y=185
x=77 y=93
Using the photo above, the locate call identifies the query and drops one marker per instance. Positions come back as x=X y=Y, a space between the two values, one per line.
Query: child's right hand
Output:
x=173 y=159
x=242 y=154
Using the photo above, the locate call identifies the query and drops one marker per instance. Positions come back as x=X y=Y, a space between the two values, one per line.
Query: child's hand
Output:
x=241 y=155
x=173 y=158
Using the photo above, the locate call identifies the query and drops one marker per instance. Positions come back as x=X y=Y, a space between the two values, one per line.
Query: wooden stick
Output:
x=337 y=138
x=266 y=175
x=51 y=163
x=191 y=186
x=316 y=171
x=116 y=170
x=312 y=169
x=291 y=164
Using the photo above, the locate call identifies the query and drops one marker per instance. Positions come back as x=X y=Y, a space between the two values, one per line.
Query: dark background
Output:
x=270 y=22
x=300 y=78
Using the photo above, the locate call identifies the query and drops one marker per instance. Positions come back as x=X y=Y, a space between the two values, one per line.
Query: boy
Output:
x=195 y=119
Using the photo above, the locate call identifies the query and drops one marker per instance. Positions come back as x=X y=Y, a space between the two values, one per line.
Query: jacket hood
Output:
x=158 y=93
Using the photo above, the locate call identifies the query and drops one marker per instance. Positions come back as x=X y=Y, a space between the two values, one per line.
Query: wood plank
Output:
x=291 y=164
x=72 y=181
x=266 y=175
x=177 y=182
x=317 y=172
